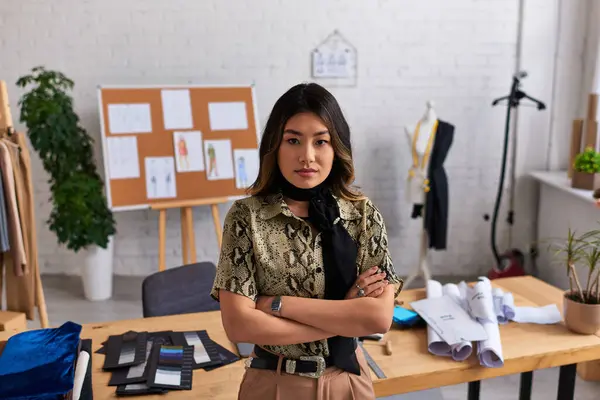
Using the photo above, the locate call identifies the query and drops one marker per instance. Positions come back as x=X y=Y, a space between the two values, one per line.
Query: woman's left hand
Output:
x=263 y=303
x=372 y=282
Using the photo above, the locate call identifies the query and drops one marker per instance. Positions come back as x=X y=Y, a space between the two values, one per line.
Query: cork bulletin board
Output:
x=177 y=143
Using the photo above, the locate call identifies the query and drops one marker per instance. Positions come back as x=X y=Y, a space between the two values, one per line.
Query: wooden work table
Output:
x=526 y=347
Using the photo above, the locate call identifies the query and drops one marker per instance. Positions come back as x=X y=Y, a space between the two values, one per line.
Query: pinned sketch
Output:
x=123 y=161
x=160 y=177
x=219 y=162
x=177 y=109
x=228 y=116
x=246 y=167
x=335 y=57
x=189 y=154
x=129 y=118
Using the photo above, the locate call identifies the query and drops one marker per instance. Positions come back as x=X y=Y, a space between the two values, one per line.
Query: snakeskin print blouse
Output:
x=268 y=251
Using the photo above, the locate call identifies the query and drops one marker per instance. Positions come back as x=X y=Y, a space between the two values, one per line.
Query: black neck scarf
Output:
x=339 y=259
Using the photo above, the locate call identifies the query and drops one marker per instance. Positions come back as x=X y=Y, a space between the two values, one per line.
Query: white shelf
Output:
x=560 y=180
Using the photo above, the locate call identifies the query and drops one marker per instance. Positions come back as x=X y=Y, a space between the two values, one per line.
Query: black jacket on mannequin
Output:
x=436 y=200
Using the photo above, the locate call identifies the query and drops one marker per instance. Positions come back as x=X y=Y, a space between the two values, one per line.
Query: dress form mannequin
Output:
x=420 y=141
x=421 y=137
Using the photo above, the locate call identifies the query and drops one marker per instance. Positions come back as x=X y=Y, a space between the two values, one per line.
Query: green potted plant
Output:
x=582 y=301
x=80 y=216
x=586 y=170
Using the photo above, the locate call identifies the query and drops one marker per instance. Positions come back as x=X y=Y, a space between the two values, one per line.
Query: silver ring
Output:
x=357 y=286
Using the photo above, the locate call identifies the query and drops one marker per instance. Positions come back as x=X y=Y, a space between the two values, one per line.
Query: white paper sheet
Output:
x=538 y=315
x=129 y=118
x=246 y=167
x=189 y=153
x=504 y=306
x=460 y=351
x=123 y=160
x=481 y=302
x=228 y=116
x=160 y=177
x=177 y=109
x=451 y=322
x=435 y=344
x=219 y=159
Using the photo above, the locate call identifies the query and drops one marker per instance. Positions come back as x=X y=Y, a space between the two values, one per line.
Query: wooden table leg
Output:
x=525 y=385
x=189 y=214
x=184 y=236
x=215 y=213
x=566 y=382
x=474 y=389
x=162 y=239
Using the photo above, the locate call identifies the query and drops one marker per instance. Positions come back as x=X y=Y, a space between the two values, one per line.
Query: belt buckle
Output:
x=320 y=361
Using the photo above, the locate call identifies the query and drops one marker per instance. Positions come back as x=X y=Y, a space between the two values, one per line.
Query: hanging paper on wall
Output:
x=160 y=177
x=228 y=116
x=189 y=154
x=177 y=109
x=246 y=167
x=219 y=162
x=123 y=161
x=129 y=118
x=335 y=57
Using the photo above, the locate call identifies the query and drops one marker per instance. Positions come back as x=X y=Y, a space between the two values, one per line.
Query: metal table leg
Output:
x=474 y=388
x=566 y=382
x=525 y=386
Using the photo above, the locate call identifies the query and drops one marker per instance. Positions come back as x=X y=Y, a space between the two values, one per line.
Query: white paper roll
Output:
x=460 y=351
x=80 y=370
x=436 y=345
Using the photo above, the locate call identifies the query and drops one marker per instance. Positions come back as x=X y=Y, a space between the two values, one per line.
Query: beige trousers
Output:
x=335 y=384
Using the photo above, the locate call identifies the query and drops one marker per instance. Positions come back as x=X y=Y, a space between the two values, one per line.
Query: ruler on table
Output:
x=378 y=371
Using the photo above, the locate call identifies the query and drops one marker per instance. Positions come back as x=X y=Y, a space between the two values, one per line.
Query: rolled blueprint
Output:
x=504 y=305
x=481 y=301
x=460 y=351
x=436 y=344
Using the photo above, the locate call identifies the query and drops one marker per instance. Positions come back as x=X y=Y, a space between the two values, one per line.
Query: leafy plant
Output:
x=588 y=161
x=577 y=251
x=80 y=216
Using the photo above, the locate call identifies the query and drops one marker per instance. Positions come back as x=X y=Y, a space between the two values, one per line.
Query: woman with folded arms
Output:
x=304 y=268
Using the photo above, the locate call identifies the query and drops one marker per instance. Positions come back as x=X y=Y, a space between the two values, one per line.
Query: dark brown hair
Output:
x=313 y=98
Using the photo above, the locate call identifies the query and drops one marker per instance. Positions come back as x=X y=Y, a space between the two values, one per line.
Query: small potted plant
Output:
x=581 y=302
x=586 y=170
x=80 y=216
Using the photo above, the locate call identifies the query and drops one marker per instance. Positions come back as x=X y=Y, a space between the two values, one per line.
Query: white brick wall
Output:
x=460 y=54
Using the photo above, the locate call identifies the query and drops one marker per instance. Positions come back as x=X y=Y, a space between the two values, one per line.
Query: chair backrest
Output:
x=179 y=290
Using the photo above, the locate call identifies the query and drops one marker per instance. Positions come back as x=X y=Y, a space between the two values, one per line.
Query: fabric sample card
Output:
x=125 y=350
x=205 y=352
x=171 y=367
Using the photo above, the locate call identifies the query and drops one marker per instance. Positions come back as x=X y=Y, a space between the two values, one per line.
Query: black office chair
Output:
x=180 y=290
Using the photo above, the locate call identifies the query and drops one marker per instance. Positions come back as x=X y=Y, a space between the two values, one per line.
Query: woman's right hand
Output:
x=372 y=282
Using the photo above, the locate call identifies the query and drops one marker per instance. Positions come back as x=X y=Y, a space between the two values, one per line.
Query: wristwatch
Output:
x=276 y=306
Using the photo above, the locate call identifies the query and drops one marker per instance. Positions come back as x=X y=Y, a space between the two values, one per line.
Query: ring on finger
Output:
x=361 y=292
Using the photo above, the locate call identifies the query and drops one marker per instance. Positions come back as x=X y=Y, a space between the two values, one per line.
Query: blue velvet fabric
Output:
x=40 y=364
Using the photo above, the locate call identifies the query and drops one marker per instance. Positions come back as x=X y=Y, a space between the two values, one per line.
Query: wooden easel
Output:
x=6 y=127
x=188 y=237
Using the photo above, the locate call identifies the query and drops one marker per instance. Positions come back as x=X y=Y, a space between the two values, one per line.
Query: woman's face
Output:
x=305 y=156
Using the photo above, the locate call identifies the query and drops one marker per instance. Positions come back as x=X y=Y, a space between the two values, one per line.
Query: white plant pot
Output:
x=97 y=272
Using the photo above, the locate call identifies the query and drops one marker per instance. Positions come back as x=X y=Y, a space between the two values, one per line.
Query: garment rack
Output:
x=6 y=128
